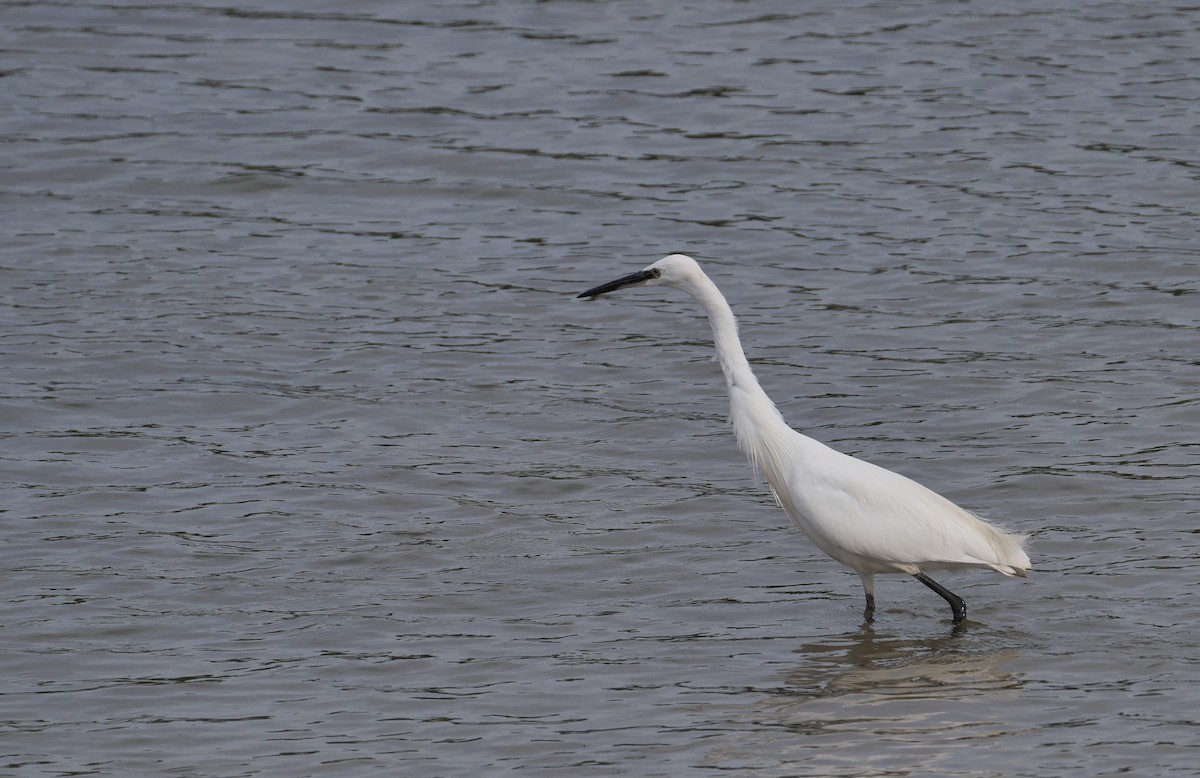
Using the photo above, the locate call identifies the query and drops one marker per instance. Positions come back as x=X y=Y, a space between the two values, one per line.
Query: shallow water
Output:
x=314 y=465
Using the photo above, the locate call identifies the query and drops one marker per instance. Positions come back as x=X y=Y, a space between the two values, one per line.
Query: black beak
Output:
x=629 y=280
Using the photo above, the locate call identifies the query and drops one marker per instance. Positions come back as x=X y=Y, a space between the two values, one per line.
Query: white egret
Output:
x=866 y=517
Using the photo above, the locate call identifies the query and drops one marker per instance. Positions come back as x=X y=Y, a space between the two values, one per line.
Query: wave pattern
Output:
x=313 y=463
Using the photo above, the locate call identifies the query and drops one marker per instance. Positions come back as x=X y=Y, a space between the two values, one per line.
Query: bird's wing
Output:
x=875 y=514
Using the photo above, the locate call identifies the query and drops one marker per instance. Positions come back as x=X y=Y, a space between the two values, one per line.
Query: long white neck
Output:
x=725 y=335
x=755 y=419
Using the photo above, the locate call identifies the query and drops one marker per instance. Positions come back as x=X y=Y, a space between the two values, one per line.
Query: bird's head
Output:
x=672 y=270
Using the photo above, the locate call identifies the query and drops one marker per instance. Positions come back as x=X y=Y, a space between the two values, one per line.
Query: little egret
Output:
x=870 y=519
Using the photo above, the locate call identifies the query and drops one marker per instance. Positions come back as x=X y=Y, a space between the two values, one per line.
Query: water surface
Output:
x=314 y=465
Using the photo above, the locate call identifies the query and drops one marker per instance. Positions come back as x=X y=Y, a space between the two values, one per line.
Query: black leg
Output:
x=869 y=613
x=956 y=603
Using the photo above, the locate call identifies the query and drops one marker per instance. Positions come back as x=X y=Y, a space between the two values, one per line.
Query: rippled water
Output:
x=314 y=465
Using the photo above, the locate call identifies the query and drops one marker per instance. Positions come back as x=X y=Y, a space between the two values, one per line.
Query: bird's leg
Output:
x=956 y=603
x=868 y=582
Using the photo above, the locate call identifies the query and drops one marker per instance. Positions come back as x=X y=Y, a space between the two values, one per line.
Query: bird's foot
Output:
x=957 y=606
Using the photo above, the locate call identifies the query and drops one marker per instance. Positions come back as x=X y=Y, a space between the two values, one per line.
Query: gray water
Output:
x=313 y=465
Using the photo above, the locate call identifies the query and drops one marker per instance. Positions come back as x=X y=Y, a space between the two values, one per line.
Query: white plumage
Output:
x=866 y=517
